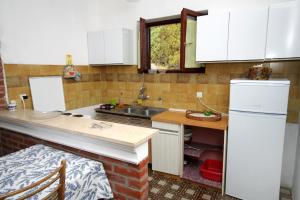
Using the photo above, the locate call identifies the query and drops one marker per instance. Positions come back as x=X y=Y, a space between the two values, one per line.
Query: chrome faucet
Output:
x=142 y=94
x=142 y=91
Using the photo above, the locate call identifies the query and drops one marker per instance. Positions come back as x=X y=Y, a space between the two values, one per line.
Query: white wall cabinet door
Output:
x=96 y=47
x=283 y=31
x=110 y=47
x=247 y=34
x=212 y=37
x=166 y=146
x=127 y=46
x=113 y=46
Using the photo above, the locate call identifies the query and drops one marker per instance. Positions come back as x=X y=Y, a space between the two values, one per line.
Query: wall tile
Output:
x=13 y=81
x=167 y=78
x=100 y=84
x=183 y=78
x=111 y=77
x=96 y=77
x=123 y=77
x=135 y=77
x=202 y=78
x=34 y=70
x=149 y=78
x=225 y=78
x=85 y=77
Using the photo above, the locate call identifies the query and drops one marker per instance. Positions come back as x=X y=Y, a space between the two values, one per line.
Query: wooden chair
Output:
x=58 y=193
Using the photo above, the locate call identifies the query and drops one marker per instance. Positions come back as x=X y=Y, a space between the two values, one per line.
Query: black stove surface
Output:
x=66 y=113
x=107 y=107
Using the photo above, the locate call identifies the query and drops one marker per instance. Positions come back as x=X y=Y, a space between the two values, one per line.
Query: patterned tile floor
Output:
x=167 y=187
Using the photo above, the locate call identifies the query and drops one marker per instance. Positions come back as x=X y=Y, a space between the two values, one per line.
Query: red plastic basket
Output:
x=212 y=170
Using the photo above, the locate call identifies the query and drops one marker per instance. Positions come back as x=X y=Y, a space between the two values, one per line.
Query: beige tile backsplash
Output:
x=103 y=83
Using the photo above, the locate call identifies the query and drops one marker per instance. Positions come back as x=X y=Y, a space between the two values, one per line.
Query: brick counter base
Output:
x=128 y=181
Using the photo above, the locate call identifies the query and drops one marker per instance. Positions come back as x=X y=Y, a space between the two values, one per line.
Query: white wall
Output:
x=43 y=31
x=296 y=183
x=289 y=155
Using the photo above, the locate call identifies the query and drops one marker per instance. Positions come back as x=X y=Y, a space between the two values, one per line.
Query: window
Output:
x=169 y=44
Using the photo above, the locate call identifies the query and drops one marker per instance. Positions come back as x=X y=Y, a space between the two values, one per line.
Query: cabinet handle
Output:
x=168 y=133
x=166 y=130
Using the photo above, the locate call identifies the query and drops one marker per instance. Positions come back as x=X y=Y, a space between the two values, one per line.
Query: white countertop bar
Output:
x=122 y=142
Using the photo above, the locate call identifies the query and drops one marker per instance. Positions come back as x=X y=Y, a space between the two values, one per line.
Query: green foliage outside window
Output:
x=165 y=46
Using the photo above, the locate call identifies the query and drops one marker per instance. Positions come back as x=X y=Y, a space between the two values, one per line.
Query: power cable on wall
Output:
x=210 y=108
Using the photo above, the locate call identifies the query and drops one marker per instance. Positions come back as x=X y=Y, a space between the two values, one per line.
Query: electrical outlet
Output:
x=199 y=95
x=23 y=96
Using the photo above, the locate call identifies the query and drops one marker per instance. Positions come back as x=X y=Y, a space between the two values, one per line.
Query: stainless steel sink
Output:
x=142 y=111
x=135 y=111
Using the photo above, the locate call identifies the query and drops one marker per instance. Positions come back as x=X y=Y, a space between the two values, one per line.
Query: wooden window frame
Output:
x=145 y=62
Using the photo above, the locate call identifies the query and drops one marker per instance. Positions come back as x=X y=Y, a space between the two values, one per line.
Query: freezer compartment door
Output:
x=265 y=98
x=254 y=155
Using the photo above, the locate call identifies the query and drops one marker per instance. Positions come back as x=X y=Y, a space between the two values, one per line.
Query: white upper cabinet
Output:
x=212 y=37
x=284 y=31
x=247 y=34
x=113 y=47
x=96 y=47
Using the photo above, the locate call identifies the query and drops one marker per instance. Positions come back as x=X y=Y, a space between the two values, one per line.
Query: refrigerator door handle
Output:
x=258 y=114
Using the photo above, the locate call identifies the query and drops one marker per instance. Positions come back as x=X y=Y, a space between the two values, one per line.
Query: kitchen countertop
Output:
x=122 y=134
x=179 y=118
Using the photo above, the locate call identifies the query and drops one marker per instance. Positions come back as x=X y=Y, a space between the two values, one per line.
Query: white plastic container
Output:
x=12 y=106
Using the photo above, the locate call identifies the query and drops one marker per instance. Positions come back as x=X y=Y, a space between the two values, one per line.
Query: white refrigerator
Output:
x=257 y=120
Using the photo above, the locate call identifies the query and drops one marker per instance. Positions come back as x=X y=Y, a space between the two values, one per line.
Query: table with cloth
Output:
x=85 y=178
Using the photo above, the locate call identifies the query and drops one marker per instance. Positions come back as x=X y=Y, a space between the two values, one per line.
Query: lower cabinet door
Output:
x=166 y=152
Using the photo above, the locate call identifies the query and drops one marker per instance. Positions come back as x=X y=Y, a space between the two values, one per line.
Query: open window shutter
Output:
x=143 y=46
x=185 y=14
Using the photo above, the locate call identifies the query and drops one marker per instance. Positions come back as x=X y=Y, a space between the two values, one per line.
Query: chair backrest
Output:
x=58 y=193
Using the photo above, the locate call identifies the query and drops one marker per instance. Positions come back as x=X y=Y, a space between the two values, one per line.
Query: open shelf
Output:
x=194 y=150
x=205 y=144
x=192 y=155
